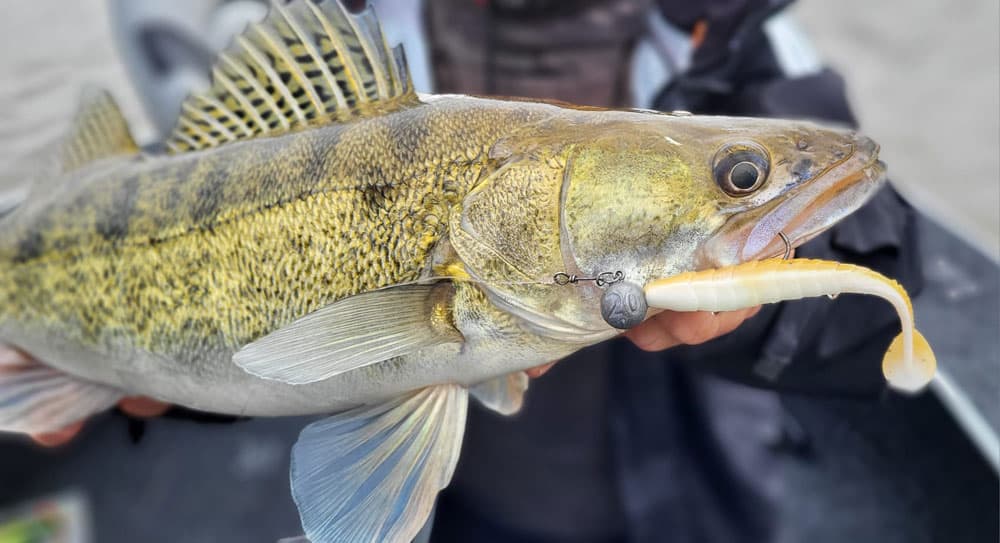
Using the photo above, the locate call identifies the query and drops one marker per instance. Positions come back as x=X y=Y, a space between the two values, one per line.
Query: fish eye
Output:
x=741 y=168
x=744 y=175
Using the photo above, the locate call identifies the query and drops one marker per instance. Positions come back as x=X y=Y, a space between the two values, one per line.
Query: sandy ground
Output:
x=924 y=77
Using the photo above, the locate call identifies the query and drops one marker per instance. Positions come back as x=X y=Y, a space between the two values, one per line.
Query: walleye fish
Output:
x=318 y=238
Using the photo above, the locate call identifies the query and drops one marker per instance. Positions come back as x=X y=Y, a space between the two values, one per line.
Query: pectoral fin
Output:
x=36 y=399
x=504 y=394
x=354 y=332
x=372 y=473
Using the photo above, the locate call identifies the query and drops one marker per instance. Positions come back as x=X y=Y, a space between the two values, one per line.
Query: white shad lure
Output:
x=909 y=363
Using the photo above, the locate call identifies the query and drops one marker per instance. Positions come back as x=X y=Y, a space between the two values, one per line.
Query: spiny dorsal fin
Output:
x=99 y=131
x=308 y=62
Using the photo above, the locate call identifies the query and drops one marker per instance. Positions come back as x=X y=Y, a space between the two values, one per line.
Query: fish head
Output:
x=664 y=194
x=644 y=195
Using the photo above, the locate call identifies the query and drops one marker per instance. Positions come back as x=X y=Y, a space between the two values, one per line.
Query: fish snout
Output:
x=865 y=159
x=866 y=147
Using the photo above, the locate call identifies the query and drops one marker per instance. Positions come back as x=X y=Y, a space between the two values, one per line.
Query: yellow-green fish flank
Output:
x=209 y=250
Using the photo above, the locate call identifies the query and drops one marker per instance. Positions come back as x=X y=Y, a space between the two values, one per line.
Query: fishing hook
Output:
x=788 y=245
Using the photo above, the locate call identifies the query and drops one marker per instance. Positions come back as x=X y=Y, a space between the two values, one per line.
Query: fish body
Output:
x=318 y=238
x=149 y=272
x=160 y=268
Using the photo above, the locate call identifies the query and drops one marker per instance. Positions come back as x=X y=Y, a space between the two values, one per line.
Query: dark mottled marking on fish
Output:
x=113 y=223
x=209 y=194
x=29 y=246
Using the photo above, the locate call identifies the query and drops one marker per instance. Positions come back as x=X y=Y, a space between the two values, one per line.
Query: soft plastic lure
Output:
x=909 y=363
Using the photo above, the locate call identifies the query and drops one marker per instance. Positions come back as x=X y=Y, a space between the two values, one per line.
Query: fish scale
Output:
x=233 y=224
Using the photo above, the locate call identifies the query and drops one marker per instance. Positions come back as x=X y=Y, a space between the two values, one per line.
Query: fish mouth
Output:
x=801 y=215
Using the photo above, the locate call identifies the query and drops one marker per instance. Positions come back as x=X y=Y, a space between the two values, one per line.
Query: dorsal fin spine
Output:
x=227 y=82
x=402 y=69
x=265 y=67
x=279 y=49
x=290 y=59
x=340 y=46
x=173 y=146
x=388 y=55
x=317 y=57
x=214 y=123
x=258 y=88
x=398 y=80
x=371 y=50
x=221 y=108
x=199 y=131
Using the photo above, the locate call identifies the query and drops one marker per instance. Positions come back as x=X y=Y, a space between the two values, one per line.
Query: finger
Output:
x=731 y=320
x=539 y=371
x=669 y=328
x=59 y=437
x=708 y=326
x=12 y=359
x=654 y=334
x=695 y=327
x=142 y=407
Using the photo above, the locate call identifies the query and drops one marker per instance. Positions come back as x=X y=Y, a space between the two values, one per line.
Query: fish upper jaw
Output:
x=801 y=214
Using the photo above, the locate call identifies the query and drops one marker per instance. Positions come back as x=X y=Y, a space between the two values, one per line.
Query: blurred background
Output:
x=923 y=78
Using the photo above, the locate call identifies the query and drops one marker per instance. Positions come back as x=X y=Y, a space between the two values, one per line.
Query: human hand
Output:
x=671 y=328
x=135 y=406
x=13 y=359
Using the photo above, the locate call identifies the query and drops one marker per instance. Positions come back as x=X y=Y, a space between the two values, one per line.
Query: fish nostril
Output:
x=866 y=145
x=802 y=169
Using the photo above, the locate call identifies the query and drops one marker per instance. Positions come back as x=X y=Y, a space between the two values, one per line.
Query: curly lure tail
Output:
x=909 y=363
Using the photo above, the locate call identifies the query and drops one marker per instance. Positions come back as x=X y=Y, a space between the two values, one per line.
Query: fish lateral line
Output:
x=909 y=363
